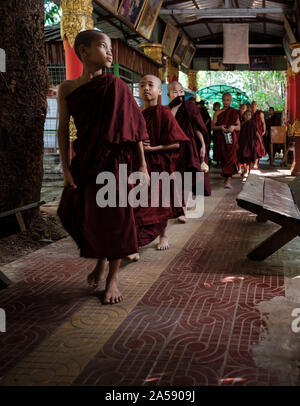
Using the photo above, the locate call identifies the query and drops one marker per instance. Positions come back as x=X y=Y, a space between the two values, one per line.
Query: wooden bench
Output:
x=18 y=213
x=275 y=201
x=4 y=281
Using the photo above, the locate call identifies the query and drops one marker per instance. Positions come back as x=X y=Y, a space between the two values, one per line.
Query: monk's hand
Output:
x=145 y=175
x=223 y=127
x=68 y=179
x=202 y=153
x=147 y=146
x=231 y=128
x=146 y=143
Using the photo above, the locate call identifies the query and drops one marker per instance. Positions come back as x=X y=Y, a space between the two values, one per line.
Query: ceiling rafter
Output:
x=219 y=21
x=219 y=35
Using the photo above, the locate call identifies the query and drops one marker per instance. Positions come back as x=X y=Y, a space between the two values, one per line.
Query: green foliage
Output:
x=265 y=87
x=52 y=13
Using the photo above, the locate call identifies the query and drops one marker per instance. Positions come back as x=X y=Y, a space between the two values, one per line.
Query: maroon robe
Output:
x=109 y=124
x=227 y=153
x=206 y=119
x=189 y=117
x=247 y=152
x=163 y=129
x=260 y=129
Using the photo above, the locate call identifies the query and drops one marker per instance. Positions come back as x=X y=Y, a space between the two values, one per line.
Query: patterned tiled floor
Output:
x=191 y=316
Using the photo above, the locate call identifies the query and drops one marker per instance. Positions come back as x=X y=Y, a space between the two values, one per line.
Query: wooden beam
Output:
x=272 y=244
x=172 y=2
x=252 y=34
x=177 y=24
x=220 y=21
x=220 y=12
x=265 y=23
x=289 y=31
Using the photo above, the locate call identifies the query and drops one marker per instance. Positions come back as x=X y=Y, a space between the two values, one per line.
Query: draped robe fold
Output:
x=163 y=129
x=259 y=125
x=189 y=117
x=227 y=153
x=109 y=124
x=247 y=152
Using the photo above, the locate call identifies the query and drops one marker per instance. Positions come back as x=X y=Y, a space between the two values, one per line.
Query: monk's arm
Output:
x=162 y=148
x=63 y=127
x=63 y=134
x=235 y=127
x=214 y=125
x=141 y=155
x=199 y=135
x=260 y=140
x=264 y=122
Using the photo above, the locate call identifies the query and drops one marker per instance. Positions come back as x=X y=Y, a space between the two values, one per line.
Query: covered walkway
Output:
x=198 y=314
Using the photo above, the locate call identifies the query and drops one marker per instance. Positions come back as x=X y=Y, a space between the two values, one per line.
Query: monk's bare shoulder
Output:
x=67 y=87
x=217 y=113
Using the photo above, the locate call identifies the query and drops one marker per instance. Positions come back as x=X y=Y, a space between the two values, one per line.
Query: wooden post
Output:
x=296 y=69
x=76 y=17
x=272 y=244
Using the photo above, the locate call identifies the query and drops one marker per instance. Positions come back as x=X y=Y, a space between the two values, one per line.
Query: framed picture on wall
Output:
x=110 y=5
x=149 y=17
x=188 y=55
x=169 y=39
x=130 y=11
x=180 y=50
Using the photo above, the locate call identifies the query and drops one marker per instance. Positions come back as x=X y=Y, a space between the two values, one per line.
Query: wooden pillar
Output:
x=296 y=123
x=192 y=80
x=76 y=17
x=292 y=87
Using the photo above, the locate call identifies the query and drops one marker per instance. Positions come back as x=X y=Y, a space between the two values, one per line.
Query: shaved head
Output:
x=227 y=95
x=173 y=84
x=153 y=78
x=86 y=37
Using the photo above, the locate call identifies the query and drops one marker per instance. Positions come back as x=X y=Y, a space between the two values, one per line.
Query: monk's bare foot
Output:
x=98 y=275
x=112 y=294
x=133 y=257
x=163 y=244
x=246 y=174
x=228 y=184
x=181 y=219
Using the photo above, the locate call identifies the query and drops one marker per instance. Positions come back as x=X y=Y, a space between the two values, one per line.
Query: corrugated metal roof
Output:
x=270 y=25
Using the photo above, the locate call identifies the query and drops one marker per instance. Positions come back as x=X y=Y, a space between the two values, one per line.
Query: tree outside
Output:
x=52 y=12
x=265 y=87
x=23 y=90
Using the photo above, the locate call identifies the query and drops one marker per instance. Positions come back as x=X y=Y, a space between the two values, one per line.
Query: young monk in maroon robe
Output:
x=242 y=110
x=192 y=154
x=161 y=151
x=110 y=131
x=258 y=117
x=247 y=152
x=216 y=107
x=226 y=123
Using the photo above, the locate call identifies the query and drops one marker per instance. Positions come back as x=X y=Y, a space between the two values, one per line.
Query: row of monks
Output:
x=250 y=138
x=112 y=131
